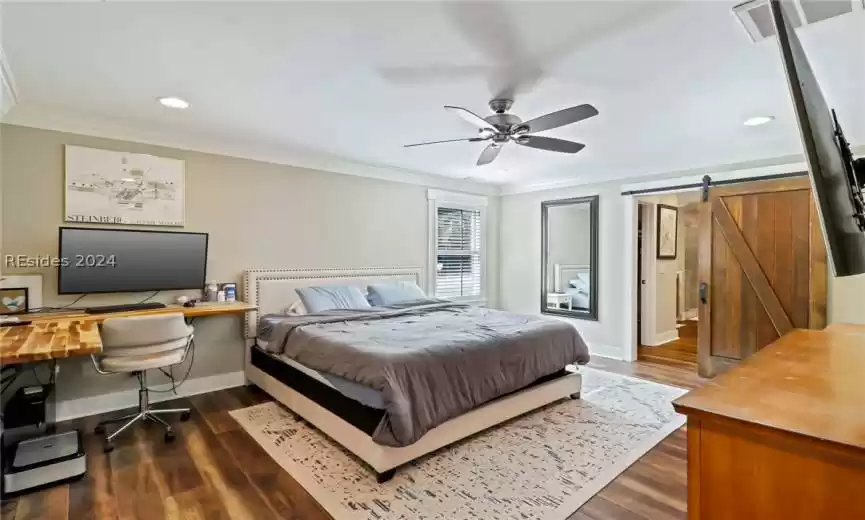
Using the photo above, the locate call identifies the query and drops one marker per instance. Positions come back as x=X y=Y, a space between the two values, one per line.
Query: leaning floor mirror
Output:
x=569 y=263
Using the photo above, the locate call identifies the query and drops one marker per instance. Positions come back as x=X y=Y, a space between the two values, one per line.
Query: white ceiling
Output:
x=673 y=81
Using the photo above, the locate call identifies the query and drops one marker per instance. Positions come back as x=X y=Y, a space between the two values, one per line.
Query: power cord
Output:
x=60 y=308
x=68 y=306
x=170 y=374
x=145 y=300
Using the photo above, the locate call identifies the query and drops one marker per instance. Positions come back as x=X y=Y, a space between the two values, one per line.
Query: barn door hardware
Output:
x=706 y=181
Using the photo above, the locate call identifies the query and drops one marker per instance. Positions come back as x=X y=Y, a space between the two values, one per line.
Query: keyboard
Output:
x=104 y=309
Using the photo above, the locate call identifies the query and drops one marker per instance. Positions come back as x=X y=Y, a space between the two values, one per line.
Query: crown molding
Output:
x=783 y=164
x=126 y=129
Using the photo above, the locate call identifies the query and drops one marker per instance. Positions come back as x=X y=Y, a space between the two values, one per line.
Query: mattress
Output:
x=315 y=387
x=363 y=394
x=362 y=417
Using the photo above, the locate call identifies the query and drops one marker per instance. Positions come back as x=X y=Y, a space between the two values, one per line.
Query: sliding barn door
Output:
x=762 y=268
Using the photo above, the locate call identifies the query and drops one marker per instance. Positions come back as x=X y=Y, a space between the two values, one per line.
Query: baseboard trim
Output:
x=606 y=351
x=97 y=404
x=664 y=337
x=688 y=314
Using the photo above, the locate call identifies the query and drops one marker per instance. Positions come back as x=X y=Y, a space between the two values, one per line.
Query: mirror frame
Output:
x=592 y=312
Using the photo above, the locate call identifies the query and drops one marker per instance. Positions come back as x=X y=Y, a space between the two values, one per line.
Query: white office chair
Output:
x=134 y=345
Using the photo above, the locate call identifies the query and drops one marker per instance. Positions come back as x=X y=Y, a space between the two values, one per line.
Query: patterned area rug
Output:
x=541 y=466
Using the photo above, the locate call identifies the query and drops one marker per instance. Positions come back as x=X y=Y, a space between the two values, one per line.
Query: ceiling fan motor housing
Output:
x=500 y=106
x=501 y=120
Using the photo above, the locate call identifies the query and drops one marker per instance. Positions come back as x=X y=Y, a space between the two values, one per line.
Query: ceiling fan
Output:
x=502 y=127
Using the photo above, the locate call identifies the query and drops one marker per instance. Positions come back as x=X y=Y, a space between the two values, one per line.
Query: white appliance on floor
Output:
x=43 y=461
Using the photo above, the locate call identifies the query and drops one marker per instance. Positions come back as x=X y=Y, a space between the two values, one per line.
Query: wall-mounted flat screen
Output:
x=113 y=260
x=838 y=180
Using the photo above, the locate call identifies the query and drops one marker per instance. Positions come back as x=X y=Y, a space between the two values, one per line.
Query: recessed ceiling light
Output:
x=173 y=102
x=759 y=120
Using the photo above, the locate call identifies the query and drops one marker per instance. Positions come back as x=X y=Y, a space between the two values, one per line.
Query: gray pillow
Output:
x=325 y=298
x=394 y=292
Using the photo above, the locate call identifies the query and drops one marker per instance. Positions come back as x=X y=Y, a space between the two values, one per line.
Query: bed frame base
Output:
x=385 y=459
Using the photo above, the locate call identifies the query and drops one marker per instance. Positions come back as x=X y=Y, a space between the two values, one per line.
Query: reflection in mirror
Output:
x=570 y=251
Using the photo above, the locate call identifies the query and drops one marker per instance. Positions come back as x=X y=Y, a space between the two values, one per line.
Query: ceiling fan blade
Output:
x=489 y=154
x=549 y=143
x=560 y=118
x=469 y=139
x=471 y=117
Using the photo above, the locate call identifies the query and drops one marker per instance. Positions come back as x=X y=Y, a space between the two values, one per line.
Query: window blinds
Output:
x=458 y=253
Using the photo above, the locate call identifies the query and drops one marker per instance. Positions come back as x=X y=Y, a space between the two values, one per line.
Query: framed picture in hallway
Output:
x=668 y=228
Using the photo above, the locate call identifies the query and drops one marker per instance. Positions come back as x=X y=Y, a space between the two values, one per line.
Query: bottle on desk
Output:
x=210 y=291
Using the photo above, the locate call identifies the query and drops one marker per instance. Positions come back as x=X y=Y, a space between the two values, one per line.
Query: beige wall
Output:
x=257 y=214
x=847 y=299
x=666 y=287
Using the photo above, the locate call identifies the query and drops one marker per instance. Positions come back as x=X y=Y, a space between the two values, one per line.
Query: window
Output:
x=457 y=246
x=458 y=253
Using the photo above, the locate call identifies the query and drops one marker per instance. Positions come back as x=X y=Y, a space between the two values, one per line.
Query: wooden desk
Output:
x=62 y=335
x=48 y=340
x=199 y=311
x=783 y=434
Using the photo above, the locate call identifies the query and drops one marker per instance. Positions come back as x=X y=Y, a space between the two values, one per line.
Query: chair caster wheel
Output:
x=100 y=429
x=108 y=447
x=185 y=416
x=170 y=436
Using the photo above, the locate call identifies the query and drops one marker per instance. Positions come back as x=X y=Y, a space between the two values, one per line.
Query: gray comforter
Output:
x=431 y=361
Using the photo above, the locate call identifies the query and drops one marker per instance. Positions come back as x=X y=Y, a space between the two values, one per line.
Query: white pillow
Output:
x=329 y=297
x=581 y=285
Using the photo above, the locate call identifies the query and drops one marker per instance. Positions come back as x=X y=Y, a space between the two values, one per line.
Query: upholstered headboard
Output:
x=565 y=272
x=273 y=290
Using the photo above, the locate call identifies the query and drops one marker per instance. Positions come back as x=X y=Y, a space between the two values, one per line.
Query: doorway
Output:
x=667 y=278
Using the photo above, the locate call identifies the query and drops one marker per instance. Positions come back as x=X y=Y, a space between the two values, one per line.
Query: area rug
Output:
x=541 y=466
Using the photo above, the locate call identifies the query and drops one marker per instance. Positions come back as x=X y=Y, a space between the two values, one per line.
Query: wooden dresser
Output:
x=783 y=434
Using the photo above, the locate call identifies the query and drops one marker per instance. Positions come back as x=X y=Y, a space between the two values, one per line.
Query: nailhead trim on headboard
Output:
x=252 y=279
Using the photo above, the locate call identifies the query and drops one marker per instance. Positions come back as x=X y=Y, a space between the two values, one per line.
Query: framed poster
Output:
x=31 y=282
x=108 y=187
x=668 y=228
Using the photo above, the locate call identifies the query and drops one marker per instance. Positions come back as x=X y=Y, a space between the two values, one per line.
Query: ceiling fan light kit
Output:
x=502 y=127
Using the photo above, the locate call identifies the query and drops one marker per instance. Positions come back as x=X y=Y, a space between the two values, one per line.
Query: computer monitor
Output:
x=121 y=260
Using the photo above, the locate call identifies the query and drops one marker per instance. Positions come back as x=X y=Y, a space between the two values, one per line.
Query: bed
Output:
x=575 y=281
x=324 y=367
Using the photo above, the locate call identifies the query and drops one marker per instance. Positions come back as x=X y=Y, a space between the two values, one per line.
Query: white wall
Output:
x=258 y=215
x=665 y=289
x=520 y=261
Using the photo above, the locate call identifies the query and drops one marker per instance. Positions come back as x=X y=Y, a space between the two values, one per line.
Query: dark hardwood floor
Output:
x=215 y=470
x=682 y=350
